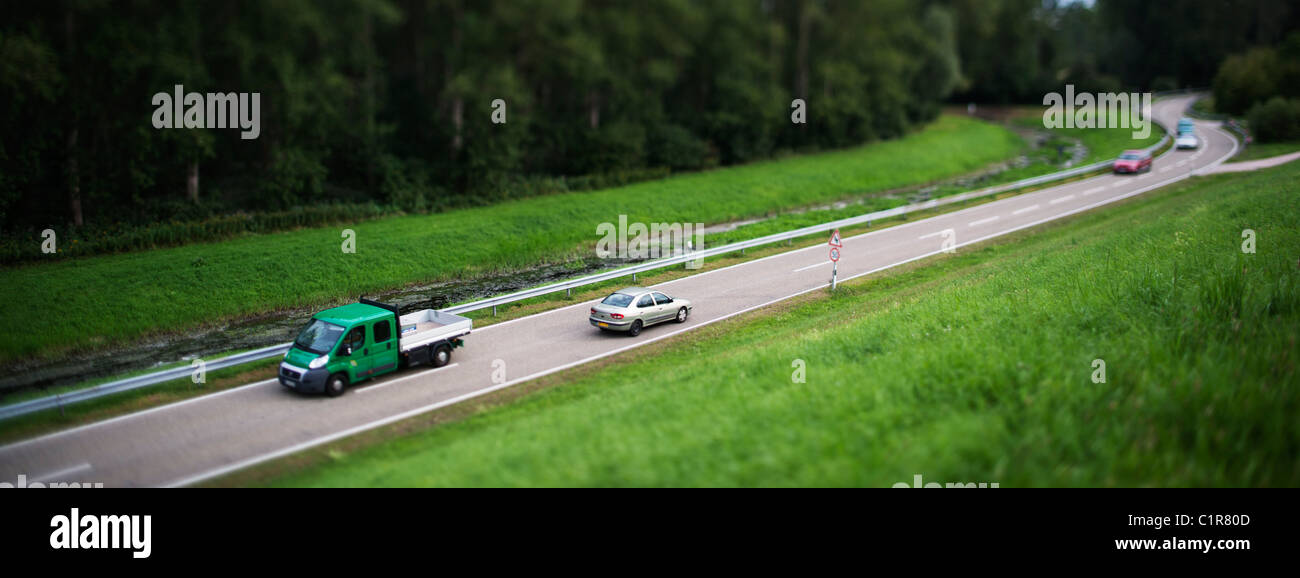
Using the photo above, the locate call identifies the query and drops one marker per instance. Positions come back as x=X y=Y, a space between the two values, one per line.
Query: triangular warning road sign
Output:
x=835 y=239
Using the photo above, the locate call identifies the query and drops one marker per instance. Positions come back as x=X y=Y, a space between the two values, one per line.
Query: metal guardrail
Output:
x=138 y=381
x=155 y=378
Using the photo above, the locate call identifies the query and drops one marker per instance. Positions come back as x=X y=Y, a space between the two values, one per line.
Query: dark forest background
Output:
x=384 y=105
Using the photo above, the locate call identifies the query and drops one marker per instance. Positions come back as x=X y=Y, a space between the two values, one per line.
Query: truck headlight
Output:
x=319 y=362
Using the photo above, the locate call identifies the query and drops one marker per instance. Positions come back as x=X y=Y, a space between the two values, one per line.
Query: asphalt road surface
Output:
x=198 y=439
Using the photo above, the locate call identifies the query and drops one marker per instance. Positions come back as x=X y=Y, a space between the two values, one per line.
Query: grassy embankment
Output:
x=1256 y=151
x=972 y=367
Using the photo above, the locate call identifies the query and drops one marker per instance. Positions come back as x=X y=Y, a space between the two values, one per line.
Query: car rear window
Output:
x=618 y=300
x=1132 y=156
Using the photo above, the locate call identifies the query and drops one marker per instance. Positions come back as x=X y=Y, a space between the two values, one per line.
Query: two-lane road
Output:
x=198 y=439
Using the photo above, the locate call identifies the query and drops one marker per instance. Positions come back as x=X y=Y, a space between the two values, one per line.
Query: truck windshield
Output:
x=318 y=337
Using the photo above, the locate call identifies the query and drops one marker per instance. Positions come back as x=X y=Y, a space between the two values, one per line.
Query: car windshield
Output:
x=1132 y=156
x=618 y=300
x=318 y=337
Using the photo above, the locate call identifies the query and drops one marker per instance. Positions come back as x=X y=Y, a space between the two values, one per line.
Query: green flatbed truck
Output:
x=355 y=342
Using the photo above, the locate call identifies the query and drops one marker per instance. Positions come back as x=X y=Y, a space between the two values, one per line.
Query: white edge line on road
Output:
x=813 y=266
x=471 y=395
x=983 y=221
x=403 y=378
x=1025 y=210
x=1210 y=167
x=125 y=417
x=82 y=467
x=1059 y=200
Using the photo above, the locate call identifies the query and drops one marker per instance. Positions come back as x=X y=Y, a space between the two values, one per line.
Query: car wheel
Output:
x=336 y=384
x=440 y=355
x=681 y=315
x=635 y=329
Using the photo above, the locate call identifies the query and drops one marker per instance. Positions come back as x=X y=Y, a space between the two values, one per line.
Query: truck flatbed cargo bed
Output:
x=426 y=326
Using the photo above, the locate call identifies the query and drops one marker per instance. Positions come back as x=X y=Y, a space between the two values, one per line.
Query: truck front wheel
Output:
x=440 y=355
x=336 y=384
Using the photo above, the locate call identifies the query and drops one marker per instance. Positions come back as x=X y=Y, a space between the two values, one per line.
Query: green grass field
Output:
x=101 y=300
x=976 y=367
x=1258 y=151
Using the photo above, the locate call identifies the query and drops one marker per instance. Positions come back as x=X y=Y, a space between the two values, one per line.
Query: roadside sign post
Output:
x=835 y=244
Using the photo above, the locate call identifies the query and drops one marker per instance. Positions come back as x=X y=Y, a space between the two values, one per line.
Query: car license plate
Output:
x=602 y=324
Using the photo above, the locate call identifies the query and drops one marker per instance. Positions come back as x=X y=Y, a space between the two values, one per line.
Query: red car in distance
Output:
x=1133 y=162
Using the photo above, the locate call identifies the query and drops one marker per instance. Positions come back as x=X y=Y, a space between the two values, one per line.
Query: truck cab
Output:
x=355 y=342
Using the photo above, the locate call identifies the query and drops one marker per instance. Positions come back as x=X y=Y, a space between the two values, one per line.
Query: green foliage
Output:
x=389 y=101
x=674 y=146
x=1276 y=120
x=1246 y=79
x=974 y=368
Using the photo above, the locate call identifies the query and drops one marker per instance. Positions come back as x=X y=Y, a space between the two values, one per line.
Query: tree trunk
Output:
x=801 y=56
x=593 y=109
x=74 y=179
x=192 y=182
x=457 y=123
x=70 y=150
x=458 y=102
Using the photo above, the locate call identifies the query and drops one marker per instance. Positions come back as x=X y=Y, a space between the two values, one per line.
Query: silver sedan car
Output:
x=635 y=308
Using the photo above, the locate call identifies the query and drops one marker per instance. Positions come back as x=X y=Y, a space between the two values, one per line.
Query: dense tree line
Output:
x=390 y=101
x=1016 y=50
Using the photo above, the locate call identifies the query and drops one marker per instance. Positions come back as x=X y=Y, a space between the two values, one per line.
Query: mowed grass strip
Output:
x=102 y=300
x=976 y=367
x=1256 y=151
